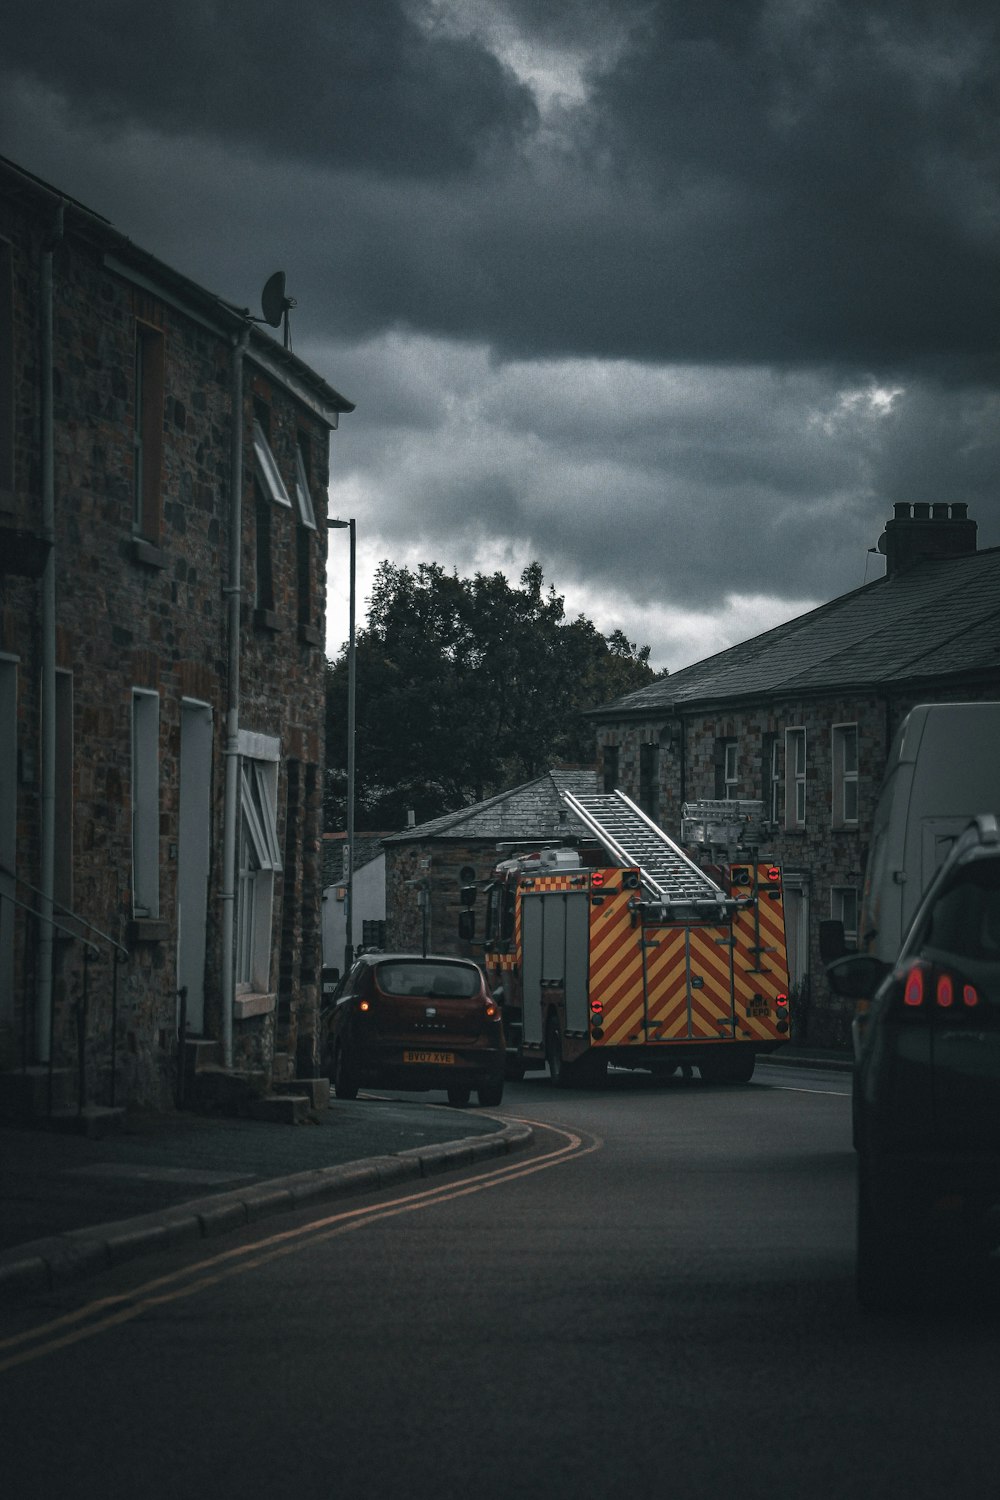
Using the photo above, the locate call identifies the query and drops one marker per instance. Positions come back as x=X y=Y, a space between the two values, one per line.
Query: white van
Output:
x=943 y=769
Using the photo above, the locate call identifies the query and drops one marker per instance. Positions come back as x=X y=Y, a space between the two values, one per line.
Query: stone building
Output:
x=803 y=716
x=427 y=867
x=163 y=484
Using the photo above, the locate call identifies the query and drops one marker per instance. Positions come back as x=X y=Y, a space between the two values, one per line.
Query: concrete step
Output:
x=316 y=1090
x=95 y=1121
x=279 y=1109
x=219 y=1090
x=201 y=1053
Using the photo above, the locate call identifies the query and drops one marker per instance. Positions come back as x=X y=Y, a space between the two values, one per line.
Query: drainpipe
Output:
x=231 y=810
x=43 y=1016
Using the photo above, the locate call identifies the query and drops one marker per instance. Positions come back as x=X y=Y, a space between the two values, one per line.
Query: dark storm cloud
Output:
x=677 y=296
x=348 y=82
x=788 y=182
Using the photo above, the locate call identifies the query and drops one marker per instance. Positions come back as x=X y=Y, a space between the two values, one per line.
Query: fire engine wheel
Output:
x=558 y=1069
x=345 y=1082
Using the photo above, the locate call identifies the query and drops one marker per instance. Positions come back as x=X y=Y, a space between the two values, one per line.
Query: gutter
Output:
x=233 y=591
x=43 y=1014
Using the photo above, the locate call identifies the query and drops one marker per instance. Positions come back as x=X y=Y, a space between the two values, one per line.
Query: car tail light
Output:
x=363 y=1005
x=922 y=982
x=492 y=1010
x=913 y=991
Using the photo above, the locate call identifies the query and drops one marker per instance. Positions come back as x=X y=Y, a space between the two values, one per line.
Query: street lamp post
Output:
x=336 y=525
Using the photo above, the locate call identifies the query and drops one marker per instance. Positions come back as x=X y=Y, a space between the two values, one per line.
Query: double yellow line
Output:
x=106 y=1313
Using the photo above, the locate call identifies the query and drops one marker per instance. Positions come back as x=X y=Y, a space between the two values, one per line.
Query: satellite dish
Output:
x=274 y=304
x=272 y=299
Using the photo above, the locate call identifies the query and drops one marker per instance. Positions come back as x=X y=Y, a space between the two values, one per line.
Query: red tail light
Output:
x=597 y=1007
x=945 y=991
x=491 y=1010
x=913 y=994
x=970 y=995
x=781 y=999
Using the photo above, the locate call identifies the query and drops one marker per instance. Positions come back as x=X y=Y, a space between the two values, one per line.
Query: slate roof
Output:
x=938 y=619
x=534 y=810
x=367 y=846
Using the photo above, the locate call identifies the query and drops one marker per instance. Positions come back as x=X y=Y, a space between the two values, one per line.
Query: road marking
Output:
x=110 y=1312
x=788 y=1088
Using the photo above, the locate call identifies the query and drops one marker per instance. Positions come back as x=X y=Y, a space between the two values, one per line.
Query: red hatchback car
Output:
x=403 y=1021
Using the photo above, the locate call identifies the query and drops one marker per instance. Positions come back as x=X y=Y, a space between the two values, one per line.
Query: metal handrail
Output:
x=66 y=910
x=90 y=947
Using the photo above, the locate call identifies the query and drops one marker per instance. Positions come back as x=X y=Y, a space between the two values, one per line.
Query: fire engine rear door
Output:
x=689 y=988
x=554 y=930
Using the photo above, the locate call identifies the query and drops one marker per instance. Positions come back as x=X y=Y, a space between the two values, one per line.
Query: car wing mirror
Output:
x=857 y=976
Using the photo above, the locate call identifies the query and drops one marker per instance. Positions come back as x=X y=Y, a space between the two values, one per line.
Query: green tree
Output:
x=466 y=686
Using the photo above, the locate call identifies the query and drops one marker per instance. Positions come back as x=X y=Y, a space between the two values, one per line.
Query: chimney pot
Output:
x=939 y=512
x=921 y=512
x=959 y=511
x=901 y=511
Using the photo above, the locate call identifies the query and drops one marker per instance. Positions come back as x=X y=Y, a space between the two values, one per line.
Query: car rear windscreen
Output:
x=438 y=981
x=965 y=921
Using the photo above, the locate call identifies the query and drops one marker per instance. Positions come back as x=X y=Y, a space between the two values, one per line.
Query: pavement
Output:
x=72 y=1205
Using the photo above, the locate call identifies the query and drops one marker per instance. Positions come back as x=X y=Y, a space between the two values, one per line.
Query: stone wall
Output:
x=434 y=870
x=150 y=611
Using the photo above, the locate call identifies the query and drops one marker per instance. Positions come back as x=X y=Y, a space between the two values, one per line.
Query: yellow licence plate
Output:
x=410 y=1056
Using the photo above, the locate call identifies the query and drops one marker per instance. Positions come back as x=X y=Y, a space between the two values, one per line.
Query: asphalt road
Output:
x=656 y=1300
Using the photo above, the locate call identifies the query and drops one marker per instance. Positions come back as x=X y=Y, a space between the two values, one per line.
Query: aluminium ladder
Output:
x=631 y=838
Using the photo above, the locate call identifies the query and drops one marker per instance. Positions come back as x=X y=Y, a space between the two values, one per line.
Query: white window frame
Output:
x=844 y=786
x=731 y=777
x=844 y=907
x=267 y=466
x=307 y=514
x=259 y=862
x=145 y=803
x=774 y=797
x=795 y=777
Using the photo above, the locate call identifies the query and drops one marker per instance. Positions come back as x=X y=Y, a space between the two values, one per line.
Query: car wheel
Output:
x=514 y=1070
x=459 y=1094
x=345 y=1081
x=490 y=1094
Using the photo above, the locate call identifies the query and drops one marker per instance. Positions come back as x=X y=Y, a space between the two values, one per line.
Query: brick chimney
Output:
x=919 y=532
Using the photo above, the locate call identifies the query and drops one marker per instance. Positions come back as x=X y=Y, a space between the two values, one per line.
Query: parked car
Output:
x=400 y=1020
x=927 y=1088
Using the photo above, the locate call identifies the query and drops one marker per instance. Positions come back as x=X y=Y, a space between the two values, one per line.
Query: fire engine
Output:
x=627 y=950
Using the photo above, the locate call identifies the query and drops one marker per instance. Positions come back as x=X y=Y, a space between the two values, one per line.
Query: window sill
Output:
x=148 y=930
x=251 y=1004
x=146 y=553
x=266 y=619
x=310 y=636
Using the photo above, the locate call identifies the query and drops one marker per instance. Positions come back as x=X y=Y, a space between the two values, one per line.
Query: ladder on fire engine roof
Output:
x=668 y=875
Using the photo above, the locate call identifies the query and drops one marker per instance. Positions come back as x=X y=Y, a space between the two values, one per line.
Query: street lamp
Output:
x=336 y=525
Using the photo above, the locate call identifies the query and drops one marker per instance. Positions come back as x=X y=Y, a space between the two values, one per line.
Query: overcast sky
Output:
x=677 y=298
